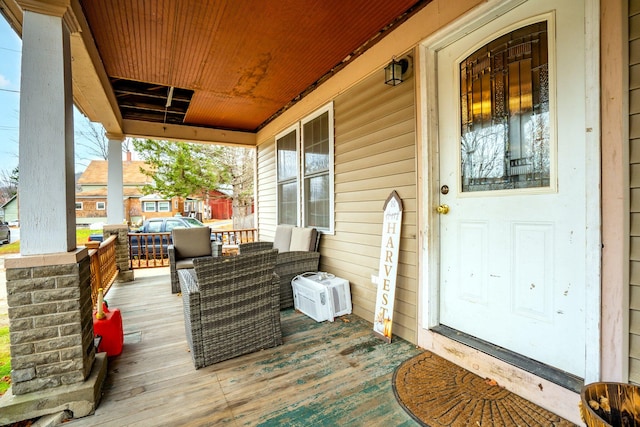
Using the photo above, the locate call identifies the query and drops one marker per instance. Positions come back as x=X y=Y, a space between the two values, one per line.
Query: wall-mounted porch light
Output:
x=393 y=71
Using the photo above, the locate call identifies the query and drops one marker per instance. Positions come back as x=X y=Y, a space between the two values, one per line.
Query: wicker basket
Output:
x=610 y=404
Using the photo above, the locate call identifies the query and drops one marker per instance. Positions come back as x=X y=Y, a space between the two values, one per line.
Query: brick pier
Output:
x=51 y=331
x=125 y=274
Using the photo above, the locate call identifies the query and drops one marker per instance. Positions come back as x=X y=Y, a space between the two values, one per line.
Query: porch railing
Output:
x=102 y=258
x=235 y=237
x=149 y=250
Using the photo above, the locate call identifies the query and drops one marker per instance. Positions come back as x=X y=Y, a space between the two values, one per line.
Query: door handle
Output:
x=443 y=209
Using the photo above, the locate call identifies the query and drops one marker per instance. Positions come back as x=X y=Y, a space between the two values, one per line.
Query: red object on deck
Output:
x=110 y=329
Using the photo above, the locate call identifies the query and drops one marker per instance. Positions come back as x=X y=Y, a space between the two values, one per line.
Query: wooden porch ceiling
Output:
x=229 y=64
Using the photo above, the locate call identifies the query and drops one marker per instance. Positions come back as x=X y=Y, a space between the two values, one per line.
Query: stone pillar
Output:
x=51 y=325
x=121 y=231
x=115 y=192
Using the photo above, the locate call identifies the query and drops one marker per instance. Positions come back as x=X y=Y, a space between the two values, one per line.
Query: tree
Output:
x=239 y=165
x=8 y=184
x=94 y=141
x=179 y=169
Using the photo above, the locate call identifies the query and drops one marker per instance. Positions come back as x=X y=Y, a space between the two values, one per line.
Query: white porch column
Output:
x=47 y=193
x=115 y=192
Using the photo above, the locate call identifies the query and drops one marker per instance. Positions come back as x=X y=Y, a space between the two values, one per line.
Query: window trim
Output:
x=327 y=108
x=79 y=206
x=146 y=203
x=166 y=204
x=104 y=206
x=300 y=175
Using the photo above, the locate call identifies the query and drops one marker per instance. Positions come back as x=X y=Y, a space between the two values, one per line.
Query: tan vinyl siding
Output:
x=634 y=183
x=375 y=153
x=266 y=190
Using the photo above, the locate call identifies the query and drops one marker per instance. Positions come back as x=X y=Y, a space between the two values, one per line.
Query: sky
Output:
x=10 y=57
x=10 y=53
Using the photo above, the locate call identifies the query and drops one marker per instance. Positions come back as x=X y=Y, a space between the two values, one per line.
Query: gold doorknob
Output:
x=443 y=209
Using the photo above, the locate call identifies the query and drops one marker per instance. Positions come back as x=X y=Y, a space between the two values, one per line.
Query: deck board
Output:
x=323 y=374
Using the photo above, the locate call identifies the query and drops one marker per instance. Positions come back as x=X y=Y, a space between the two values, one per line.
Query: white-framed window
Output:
x=78 y=206
x=164 y=206
x=100 y=206
x=148 y=206
x=305 y=172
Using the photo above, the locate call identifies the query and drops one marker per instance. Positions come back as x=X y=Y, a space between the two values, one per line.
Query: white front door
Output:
x=511 y=116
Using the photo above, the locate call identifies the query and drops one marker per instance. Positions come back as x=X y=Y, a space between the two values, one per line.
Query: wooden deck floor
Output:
x=324 y=374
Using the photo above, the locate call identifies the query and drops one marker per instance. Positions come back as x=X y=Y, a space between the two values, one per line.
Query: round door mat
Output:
x=436 y=392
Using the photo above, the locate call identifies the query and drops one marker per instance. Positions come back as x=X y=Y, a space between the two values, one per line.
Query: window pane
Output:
x=100 y=206
x=194 y=222
x=149 y=206
x=78 y=206
x=154 y=226
x=164 y=206
x=287 y=157
x=171 y=224
x=288 y=203
x=316 y=144
x=317 y=201
x=504 y=89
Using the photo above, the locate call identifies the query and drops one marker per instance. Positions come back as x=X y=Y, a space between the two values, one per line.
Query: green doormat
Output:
x=436 y=392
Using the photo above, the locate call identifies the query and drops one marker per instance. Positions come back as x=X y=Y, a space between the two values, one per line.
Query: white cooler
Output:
x=321 y=296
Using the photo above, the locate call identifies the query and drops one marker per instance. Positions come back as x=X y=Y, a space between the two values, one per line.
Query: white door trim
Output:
x=593 y=273
x=428 y=315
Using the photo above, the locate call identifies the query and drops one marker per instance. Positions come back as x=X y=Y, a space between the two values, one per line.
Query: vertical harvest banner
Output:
x=388 y=270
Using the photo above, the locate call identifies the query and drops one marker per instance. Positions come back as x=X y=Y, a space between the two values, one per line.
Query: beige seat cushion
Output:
x=192 y=242
x=184 y=264
x=303 y=239
x=282 y=239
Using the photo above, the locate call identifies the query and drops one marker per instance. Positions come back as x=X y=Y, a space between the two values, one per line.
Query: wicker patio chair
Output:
x=187 y=244
x=297 y=254
x=231 y=306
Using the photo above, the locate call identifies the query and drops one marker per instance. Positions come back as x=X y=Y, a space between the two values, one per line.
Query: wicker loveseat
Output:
x=231 y=306
x=297 y=253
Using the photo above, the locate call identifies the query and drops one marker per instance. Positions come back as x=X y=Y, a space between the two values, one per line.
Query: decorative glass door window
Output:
x=505 y=135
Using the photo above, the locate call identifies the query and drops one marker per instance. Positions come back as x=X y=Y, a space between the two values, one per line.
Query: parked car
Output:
x=158 y=225
x=155 y=246
x=5 y=233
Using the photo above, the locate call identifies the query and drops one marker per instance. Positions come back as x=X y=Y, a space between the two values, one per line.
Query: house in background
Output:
x=91 y=200
x=9 y=211
x=219 y=204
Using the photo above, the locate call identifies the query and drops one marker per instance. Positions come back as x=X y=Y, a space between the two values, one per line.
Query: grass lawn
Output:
x=82 y=235
x=5 y=360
